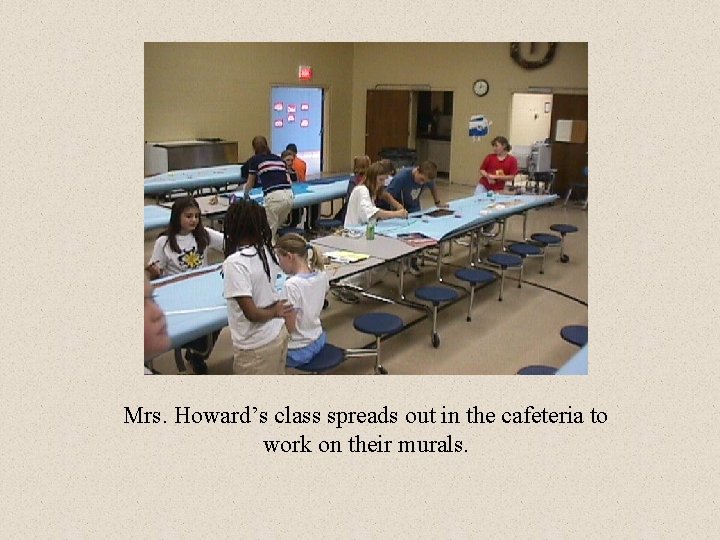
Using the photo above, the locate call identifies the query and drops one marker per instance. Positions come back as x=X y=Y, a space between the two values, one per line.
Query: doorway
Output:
x=534 y=117
x=417 y=121
x=298 y=117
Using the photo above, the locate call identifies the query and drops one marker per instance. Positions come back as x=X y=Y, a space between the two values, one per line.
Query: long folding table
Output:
x=305 y=194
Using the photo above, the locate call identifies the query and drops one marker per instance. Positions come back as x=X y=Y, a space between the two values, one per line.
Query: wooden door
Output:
x=387 y=118
x=568 y=158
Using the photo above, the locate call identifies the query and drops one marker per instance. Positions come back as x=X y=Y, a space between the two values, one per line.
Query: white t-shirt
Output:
x=189 y=258
x=306 y=292
x=244 y=276
x=360 y=207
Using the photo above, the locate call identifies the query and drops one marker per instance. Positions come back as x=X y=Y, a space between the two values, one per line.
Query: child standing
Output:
x=255 y=312
x=182 y=247
x=270 y=171
x=305 y=289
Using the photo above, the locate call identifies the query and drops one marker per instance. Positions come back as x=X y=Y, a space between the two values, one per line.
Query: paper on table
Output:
x=346 y=256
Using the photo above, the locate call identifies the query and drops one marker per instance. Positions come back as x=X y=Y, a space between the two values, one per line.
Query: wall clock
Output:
x=481 y=87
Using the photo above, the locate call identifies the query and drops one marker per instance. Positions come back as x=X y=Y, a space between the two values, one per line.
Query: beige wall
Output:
x=454 y=66
x=223 y=90
x=529 y=121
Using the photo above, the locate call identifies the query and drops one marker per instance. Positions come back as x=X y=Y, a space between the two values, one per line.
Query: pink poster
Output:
x=304 y=122
x=279 y=123
x=278 y=106
x=291 y=108
x=304 y=106
x=291 y=117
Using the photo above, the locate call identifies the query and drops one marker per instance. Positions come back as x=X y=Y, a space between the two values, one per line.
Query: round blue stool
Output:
x=329 y=357
x=576 y=334
x=537 y=370
x=546 y=240
x=563 y=229
x=474 y=277
x=528 y=250
x=436 y=295
x=505 y=261
x=378 y=325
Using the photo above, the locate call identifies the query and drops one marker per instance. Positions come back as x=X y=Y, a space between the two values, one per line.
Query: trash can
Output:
x=401 y=157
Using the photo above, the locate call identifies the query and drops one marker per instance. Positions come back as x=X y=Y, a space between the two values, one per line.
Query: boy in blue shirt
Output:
x=407 y=186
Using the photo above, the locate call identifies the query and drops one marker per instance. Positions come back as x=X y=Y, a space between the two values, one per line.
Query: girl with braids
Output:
x=255 y=312
x=305 y=289
x=182 y=247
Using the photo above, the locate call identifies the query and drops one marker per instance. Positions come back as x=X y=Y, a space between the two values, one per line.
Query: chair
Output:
x=579 y=187
x=528 y=250
x=474 y=277
x=563 y=229
x=576 y=334
x=436 y=295
x=537 y=370
x=505 y=261
x=328 y=358
x=377 y=325
x=546 y=241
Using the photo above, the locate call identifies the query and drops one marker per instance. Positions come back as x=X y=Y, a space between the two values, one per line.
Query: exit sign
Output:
x=305 y=73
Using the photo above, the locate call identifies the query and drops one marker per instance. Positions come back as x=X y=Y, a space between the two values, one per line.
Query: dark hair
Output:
x=260 y=145
x=502 y=140
x=246 y=224
x=389 y=166
x=202 y=238
x=292 y=147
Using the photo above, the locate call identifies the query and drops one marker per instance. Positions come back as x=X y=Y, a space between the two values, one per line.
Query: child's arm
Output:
x=216 y=239
x=279 y=309
x=249 y=185
x=436 y=198
x=390 y=200
x=291 y=320
x=389 y=214
x=156 y=264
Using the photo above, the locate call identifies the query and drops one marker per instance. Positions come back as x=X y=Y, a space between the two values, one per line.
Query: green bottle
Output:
x=370 y=230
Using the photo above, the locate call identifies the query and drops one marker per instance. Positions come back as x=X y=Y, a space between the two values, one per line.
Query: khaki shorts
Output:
x=266 y=360
x=277 y=207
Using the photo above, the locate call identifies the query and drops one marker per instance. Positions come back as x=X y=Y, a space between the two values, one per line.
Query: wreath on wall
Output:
x=516 y=55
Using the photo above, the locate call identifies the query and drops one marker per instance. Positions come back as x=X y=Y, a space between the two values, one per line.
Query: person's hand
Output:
x=283 y=309
x=154 y=270
x=483 y=172
x=442 y=205
x=402 y=213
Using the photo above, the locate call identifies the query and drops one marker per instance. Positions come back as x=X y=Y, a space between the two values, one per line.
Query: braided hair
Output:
x=246 y=225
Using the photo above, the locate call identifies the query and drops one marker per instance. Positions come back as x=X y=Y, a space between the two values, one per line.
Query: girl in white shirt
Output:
x=180 y=248
x=305 y=289
x=361 y=205
x=255 y=311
